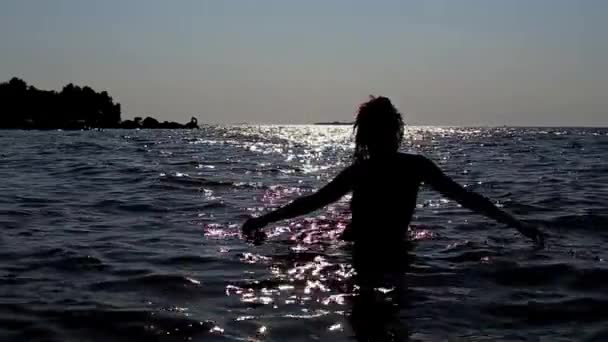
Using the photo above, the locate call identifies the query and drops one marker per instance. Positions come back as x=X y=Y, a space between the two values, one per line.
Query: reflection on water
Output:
x=324 y=284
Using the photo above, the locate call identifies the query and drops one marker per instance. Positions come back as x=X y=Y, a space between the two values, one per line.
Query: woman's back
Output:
x=384 y=196
x=384 y=192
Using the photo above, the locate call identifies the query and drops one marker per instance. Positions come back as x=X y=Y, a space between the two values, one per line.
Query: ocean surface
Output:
x=133 y=235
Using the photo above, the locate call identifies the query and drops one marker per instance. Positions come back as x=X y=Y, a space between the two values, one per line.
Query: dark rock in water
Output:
x=192 y=124
x=150 y=123
x=167 y=124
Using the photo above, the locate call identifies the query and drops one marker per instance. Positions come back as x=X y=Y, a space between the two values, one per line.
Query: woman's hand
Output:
x=251 y=228
x=531 y=232
x=347 y=233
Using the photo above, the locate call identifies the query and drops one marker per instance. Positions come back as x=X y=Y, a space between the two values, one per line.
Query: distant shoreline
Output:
x=73 y=108
x=334 y=123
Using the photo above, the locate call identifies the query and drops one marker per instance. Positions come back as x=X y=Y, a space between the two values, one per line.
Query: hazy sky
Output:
x=485 y=62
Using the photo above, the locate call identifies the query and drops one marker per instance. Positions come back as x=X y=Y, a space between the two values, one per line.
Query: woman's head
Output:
x=379 y=129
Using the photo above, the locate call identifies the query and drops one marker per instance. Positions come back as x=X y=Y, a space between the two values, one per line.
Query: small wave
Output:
x=77 y=264
x=82 y=146
x=563 y=275
x=61 y=260
x=187 y=260
x=126 y=206
x=48 y=252
x=194 y=181
x=585 y=222
x=566 y=310
x=599 y=335
x=103 y=324
x=593 y=279
x=16 y=212
x=170 y=282
x=472 y=256
x=33 y=200
x=80 y=169
x=515 y=275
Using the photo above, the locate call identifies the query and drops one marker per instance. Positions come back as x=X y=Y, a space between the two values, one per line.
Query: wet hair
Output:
x=378 y=129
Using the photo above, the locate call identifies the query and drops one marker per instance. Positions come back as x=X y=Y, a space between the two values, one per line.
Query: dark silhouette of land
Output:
x=74 y=107
x=341 y=123
x=149 y=122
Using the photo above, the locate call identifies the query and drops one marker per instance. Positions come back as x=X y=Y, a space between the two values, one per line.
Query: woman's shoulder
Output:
x=416 y=161
x=423 y=165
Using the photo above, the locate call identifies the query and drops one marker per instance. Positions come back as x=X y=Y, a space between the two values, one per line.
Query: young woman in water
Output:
x=384 y=185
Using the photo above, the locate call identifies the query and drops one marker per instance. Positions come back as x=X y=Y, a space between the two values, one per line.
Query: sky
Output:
x=442 y=62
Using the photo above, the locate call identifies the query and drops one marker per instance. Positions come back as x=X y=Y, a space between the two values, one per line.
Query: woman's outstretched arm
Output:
x=433 y=176
x=331 y=192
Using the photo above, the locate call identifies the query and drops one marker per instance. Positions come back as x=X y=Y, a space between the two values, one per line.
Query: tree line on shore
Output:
x=74 y=107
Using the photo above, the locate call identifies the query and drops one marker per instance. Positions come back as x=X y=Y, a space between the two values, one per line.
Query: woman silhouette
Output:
x=384 y=185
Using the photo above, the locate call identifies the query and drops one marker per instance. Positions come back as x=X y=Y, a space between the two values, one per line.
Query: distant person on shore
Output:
x=384 y=185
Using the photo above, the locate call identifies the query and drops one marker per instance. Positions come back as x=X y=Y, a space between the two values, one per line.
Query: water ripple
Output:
x=134 y=235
